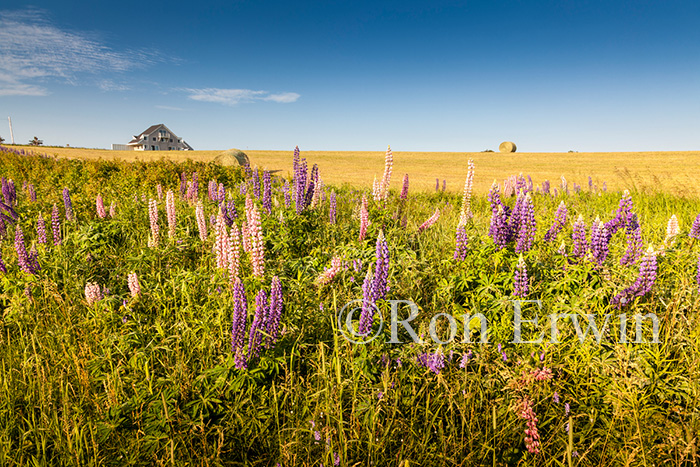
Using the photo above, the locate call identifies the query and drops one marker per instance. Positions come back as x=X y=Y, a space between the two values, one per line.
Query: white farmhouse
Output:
x=155 y=138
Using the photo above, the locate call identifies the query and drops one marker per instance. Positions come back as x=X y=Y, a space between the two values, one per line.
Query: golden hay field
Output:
x=676 y=172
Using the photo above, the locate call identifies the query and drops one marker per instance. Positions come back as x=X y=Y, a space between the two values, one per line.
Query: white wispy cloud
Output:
x=19 y=89
x=109 y=85
x=33 y=52
x=238 y=96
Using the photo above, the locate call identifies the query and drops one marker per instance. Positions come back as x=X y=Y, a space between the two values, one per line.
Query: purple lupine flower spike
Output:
x=514 y=219
x=68 y=204
x=647 y=272
x=230 y=213
x=32 y=192
x=13 y=191
x=313 y=186
x=267 y=191
x=240 y=314
x=622 y=214
x=7 y=214
x=579 y=238
x=256 y=183
x=255 y=335
x=300 y=183
x=558 y=224
x=275 y=313
x=599 y=241
x=357 y=265
x=26 y=262
x=404 y=189
x=695 y=229
x=295 y=159
x=635 y=246
x=193 y=188
x=368 y=306
x=183 y=185
x=6 y=193
x=248 y=172
x=527 y=226
x=41 y=230
x=380 y=286
x=461 y=244
x=56 y=226
x=546 y=186
x=434 y=362
x=644 y=283
x=499 y=229
x=3 y=268
x=332 y=208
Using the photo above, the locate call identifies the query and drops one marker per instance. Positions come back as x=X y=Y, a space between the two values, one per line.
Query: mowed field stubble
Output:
x=670 y=171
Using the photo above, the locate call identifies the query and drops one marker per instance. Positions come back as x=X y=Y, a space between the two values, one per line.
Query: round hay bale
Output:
x=232 y=157
x=507 y=146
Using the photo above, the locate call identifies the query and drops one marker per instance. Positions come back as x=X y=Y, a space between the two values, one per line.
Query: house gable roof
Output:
x=152 y=129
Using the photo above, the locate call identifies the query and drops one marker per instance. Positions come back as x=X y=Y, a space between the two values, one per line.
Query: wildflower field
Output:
x=162 y=313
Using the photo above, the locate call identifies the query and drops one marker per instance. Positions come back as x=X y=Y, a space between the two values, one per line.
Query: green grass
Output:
x=152 y=381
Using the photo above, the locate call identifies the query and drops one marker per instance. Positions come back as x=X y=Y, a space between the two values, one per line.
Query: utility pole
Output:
x=12 y=135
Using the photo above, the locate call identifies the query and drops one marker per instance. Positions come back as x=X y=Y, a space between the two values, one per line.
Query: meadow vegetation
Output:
x=103 y=368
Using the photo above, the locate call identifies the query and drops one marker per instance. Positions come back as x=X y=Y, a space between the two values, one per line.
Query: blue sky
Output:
x=352 y=75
